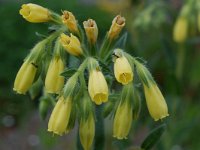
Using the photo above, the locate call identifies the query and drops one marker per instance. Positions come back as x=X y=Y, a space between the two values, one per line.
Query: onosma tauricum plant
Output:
x=89 y=89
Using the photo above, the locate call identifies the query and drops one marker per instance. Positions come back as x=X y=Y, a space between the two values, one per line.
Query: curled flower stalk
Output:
x=78 y=77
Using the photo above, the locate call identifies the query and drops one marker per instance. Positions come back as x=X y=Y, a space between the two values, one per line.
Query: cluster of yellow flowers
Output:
x=76 y=95
x=190 y=11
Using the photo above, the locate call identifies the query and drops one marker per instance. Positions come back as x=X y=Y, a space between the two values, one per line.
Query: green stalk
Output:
x=99 y=139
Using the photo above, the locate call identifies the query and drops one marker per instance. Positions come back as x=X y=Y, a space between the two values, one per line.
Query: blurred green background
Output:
x=176 y=68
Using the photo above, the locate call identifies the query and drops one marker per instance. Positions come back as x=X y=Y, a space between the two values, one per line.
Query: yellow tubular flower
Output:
x=122 y=121
x=54 y=82
x=155 y=102
x=117 y=25
x=180 y=30
x=71 y=44
x=34 y=13
x=87 y=132
x=70 y=21
x=60 y=116
x=123 y=71
x=25 y=77
x=91 y=30
x=97 y=87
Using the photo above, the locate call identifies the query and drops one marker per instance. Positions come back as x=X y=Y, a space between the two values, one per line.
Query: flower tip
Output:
x=119 y=137
x=19 y=92
x=161 y=118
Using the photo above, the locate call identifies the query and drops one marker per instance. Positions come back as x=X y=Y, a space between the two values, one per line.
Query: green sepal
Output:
x=136 y=103
x=85 y=107
x=68 y=72
x=153 y=137
x=55 y=18
x=44 y=105
x=72 y=119
x=40 y=35
x=70 y=86
x=35 y=89
x=92 y=64
x=54 y=28
x=144 y=74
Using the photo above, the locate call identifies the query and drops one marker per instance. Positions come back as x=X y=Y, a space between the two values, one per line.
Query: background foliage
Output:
x=150 y=25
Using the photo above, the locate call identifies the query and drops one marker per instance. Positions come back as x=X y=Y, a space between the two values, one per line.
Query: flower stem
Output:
x=99 y=138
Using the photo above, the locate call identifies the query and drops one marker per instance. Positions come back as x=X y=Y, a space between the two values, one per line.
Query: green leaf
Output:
x=67 y=73
x=153 y=137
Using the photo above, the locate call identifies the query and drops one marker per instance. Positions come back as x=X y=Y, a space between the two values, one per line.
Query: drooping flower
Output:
x=123 y=71
x=25 y=77
x=122 y=121
x=87 y=132
x=54 y=82
x=97 y=87
x=60 y=115
x=155 y=102
x=124 y=113
x=34 y=13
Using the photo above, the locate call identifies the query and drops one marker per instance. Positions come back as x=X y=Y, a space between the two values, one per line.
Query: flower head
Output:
x=70 y=21
x=155 y=102
x=123 y=71
x=71 y=44
x=60 y=116
x=54 y=81
x=91 y=30
x=25 y=77
x=97 y=87
x=117 y=25
x=34 y=13
x=180 y=30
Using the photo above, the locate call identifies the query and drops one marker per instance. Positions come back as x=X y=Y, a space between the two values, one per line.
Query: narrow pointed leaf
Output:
x=153 y=137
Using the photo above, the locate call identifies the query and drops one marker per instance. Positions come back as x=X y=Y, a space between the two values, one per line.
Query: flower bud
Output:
x=97 y=87
x=122 y=121
x=87 y=132
x=70 y=21
x=54 y=81
x=155 y=102
x=180 y=30
x=71 y=44
x=25 y=77
x=91 y=30
x=117 y=25
x=34 y=13
x=60 y=116
x=122 y=70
